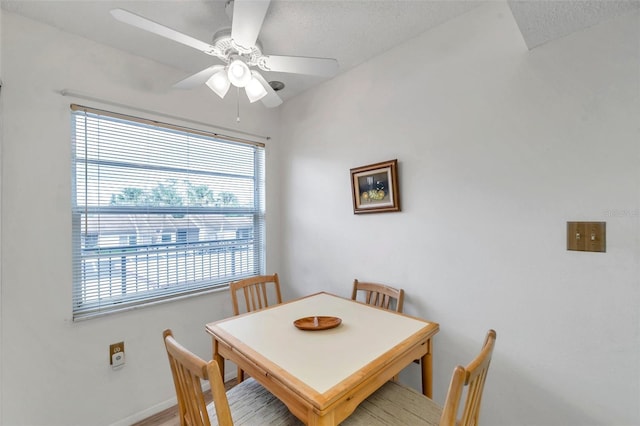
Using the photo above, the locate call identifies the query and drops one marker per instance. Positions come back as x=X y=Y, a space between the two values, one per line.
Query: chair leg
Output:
x=240 y=375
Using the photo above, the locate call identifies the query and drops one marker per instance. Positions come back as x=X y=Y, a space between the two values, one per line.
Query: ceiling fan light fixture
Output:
x=239 y=73
x=255 y=90
x=219 y=83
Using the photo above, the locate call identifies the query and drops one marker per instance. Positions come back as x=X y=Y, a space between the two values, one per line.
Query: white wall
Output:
x=55 y=371
x=498 y=148
x=1 y=133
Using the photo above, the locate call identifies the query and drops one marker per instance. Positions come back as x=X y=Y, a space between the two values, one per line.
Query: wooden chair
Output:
x=379 y=295
x=255 y=292
x=394 y=404
x=248 y=402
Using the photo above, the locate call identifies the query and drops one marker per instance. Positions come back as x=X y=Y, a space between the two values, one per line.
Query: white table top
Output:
x=323 y=358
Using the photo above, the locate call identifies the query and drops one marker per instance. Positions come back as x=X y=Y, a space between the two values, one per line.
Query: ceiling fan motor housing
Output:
x=226 y=49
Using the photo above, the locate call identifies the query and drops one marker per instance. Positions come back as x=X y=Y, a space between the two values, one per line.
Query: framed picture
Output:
x=375 y=188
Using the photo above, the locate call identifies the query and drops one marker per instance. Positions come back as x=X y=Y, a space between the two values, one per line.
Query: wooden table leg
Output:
x=218 y=358
x=326 y=420
x=427 y=372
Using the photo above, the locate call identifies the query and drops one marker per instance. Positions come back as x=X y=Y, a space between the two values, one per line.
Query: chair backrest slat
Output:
x=473 y=377
x=188 y=371
x=255 y=292
x=379 y=295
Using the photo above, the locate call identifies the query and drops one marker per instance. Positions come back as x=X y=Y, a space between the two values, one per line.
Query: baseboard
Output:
x=230 y=374
x=151 y=411
x=139 y=416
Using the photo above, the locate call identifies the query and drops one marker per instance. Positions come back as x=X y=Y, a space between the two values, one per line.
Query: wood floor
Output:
x=169 y=417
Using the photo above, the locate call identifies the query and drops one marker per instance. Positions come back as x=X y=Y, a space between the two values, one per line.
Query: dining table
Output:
x=323 y=354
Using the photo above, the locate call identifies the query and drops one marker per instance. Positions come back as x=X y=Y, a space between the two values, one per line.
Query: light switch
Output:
x=586 y=236
x=575 y=236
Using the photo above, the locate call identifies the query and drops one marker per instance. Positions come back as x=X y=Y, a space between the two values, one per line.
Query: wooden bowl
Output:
x=317 y=323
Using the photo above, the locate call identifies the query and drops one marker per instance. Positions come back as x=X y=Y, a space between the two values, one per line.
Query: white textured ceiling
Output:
x=543 y=21
x=351 y=31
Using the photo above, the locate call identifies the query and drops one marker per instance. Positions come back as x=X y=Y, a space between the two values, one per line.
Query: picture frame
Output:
x=375 y=188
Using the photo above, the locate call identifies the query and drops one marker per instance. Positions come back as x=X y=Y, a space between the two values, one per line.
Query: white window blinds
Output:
x=160 y=211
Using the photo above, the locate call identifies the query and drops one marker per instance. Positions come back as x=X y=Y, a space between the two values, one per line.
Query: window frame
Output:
x=251 y=239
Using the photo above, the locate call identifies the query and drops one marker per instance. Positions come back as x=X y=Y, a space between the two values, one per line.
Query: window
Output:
x=160 y=211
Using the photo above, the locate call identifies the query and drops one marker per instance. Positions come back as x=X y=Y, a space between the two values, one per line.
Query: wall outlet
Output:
x=116 y=354
x=117 y=359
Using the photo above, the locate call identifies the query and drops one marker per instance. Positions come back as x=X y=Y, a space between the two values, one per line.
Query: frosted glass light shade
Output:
x=239 y=73
x=219 y=83
x=255 y=90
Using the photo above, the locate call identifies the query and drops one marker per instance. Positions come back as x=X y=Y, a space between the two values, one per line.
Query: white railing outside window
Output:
x=160 y=211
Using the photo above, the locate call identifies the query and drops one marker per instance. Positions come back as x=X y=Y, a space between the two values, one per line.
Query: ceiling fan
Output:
x=239 y=49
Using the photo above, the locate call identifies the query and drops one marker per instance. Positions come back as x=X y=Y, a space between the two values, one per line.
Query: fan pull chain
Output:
x=238 y=105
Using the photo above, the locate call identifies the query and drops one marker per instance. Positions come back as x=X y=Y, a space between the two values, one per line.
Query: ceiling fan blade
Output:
x=324 y=67
x=198 y=78
x=248 y=16
x=271 y=99
x=158 y=29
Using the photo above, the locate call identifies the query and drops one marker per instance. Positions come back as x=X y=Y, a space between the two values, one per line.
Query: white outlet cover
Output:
x=117 y=359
